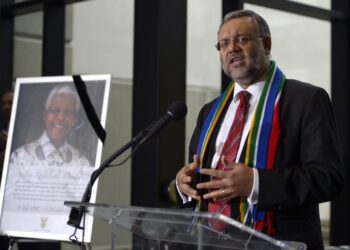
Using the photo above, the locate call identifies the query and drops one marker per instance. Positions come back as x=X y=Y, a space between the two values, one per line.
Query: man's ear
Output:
x=44 y=116
x=267 y=45
x=75 y=120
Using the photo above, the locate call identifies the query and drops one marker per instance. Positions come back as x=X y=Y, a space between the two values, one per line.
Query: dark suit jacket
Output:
x=307 y=167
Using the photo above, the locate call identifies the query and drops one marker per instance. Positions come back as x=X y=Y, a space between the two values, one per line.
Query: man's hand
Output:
x=185 y=178
x=235 y=180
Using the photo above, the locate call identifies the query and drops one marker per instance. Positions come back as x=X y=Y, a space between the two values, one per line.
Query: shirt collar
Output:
x=47 y=147
x=254 y=90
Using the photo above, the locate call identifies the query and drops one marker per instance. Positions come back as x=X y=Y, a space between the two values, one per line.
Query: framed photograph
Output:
x=51 y=152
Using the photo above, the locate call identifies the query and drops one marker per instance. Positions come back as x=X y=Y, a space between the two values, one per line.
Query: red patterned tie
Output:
x=230 y=151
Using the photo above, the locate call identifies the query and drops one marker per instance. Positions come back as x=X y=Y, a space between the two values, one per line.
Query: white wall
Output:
x=103 y=37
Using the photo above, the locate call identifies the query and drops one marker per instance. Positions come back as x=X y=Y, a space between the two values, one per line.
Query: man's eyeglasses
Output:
x=238 y=40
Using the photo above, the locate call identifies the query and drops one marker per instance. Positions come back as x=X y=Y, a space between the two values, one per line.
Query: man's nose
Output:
x=61 y=115
x=233 y=45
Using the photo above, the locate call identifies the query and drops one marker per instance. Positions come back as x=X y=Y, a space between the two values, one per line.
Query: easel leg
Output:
x=12 y=241
x=114 y=235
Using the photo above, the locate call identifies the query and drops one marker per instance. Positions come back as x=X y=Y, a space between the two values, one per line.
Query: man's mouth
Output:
x=236 y=60
x=58 y=126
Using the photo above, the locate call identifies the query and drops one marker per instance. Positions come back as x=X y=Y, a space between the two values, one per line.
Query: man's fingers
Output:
x=216 y=194
x=219 y=194
x=224 y=161
x=186 y=179
x=195 y=159
x=214 y=172
x=189 y=169
x=186 y=189
x=213 y=184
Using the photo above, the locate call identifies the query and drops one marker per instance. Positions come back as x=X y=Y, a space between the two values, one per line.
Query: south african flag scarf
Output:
x=261 y=143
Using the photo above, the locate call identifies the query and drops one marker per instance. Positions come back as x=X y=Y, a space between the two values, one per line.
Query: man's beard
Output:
x=248 y=73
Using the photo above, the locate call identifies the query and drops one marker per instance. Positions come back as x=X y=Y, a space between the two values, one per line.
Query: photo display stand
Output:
x=168 y=227
x=52 y=149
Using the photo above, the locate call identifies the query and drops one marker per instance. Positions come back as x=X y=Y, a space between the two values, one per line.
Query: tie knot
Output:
x=243 y=96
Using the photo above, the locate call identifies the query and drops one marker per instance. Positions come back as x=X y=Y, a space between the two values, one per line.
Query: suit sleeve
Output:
x=308 y=162
x=197 y=131
x=193 y=148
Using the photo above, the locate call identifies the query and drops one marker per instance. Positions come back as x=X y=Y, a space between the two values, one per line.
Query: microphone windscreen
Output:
x=177 y=110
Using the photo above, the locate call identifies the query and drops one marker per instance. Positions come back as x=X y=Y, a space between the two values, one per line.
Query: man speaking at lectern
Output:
x=266 y=149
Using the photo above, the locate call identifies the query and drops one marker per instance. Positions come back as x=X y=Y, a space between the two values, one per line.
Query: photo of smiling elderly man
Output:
x=52 y=149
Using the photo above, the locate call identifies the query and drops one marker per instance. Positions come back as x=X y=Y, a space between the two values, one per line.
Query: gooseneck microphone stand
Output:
x=76 y=214
x=176 y=111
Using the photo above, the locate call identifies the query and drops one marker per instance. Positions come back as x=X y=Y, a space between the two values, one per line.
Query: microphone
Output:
x=176 y=111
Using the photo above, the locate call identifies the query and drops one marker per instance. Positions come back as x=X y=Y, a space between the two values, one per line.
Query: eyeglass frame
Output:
x=237 y=40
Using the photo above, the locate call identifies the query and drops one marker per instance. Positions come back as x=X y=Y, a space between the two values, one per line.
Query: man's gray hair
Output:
x=63 y=89
x=263 y=27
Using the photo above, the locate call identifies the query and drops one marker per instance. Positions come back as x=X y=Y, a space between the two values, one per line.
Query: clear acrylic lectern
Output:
x=178 y=226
